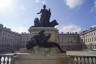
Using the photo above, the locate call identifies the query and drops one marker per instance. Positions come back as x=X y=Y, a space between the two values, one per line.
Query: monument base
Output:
x=42 y=56
x=40 y=51
x=42 y=59
x=48 y=30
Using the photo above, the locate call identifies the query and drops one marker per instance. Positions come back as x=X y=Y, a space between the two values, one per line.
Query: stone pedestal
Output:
x=39 y=55
x=40 y=51
x=42 y=56
x=53 y=31
x=42 y=59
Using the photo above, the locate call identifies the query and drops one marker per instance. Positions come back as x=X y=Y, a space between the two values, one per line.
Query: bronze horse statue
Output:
x=41 y=40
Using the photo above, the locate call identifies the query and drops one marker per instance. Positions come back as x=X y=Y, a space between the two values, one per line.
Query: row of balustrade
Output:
x=9 y=59
x=6 y=59
x=84 y=59
x=91 y=47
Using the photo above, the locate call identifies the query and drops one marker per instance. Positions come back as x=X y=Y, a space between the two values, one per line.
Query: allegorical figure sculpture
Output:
x=41 y=40
x=45 y=18
x=45 y=14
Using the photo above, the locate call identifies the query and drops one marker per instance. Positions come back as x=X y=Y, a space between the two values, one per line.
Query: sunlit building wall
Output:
x=9 y=40
x=70 y=41
x=89 y=37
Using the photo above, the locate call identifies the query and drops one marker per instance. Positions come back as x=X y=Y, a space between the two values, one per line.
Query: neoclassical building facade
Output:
x=70 y=41
x=89 y=37
x=9 y=40
x=12 y=41
x=25 y=38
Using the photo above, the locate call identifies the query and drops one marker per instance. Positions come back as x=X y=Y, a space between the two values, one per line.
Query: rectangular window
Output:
x=95 y=38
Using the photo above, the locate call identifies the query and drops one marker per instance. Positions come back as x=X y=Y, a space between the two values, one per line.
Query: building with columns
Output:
x=89 y=37
x=70 y=41
x=25 y=38
x=12 y=41
x=9 y=40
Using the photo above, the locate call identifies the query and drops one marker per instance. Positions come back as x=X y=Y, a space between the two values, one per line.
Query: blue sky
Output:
x=72 y=15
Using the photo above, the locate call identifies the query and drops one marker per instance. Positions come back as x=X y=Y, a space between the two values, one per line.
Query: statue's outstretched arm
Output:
x=49 y=11
x=40 y=12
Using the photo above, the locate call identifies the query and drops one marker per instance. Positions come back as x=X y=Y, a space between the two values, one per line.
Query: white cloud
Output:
x=43 y=2
x=22 y=7
x=40 y=1
x=6 y=5
x=93 y=9
x=93 y=26
x=20 y=29
x=37 y=1
x=73 y=3
x=70 y=28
